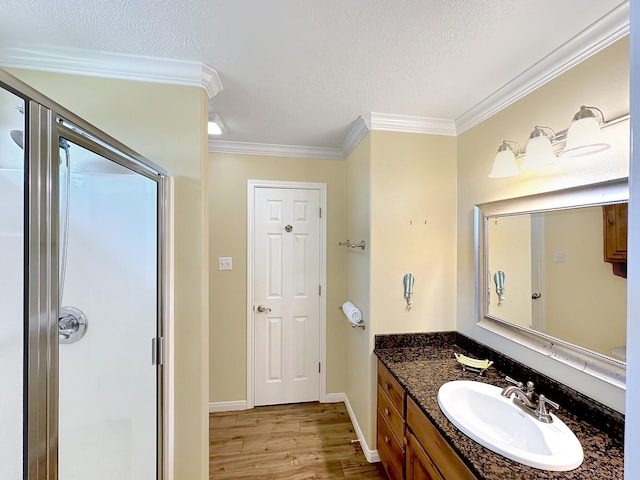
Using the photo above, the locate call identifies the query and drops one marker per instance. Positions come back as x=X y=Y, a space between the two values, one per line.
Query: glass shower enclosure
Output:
x=81 y=290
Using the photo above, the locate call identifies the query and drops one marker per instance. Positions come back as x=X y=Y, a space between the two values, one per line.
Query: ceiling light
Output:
x=584 y=136
x=539 y=152
x=215 y=125
x=505 y=164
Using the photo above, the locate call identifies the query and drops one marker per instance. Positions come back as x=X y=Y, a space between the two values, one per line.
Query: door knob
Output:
x=262 y=309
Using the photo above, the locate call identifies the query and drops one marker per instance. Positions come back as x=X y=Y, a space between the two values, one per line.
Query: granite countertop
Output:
x=422 y=369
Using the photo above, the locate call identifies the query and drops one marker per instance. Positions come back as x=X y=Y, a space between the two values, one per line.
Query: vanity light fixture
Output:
x=215 y=126
x=583 y=137
x=505 y=163
x=539 y=152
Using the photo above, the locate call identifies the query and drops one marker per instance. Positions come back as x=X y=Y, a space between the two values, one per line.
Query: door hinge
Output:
x=157 y=351
x=320 y=209
x=319 y=290
x=319 y=367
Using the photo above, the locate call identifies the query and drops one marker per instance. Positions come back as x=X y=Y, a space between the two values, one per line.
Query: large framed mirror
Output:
x=551 y=274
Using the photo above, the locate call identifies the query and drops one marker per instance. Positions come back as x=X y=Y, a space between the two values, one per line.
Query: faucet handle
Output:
x=541 y=411
x=515 y=382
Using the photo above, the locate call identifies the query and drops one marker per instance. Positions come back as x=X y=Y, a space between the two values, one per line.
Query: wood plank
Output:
x=287 y=442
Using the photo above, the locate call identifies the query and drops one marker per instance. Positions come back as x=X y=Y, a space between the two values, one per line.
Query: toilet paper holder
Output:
x=360 y=324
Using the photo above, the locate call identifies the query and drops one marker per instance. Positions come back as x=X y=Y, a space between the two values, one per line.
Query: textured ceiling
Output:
x=299 y=72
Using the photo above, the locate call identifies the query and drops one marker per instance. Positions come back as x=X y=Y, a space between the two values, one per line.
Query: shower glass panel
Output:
x=107 y=382
x=12 y=255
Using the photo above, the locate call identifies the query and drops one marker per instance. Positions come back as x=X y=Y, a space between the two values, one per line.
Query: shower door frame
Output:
x=47 y=121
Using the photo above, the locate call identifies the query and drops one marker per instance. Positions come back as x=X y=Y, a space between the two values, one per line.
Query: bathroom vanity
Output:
x=416 y=441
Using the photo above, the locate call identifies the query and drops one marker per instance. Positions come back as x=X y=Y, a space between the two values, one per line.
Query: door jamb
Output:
x=252 y=185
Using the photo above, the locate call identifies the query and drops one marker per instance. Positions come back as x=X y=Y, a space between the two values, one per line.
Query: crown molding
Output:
x=591 y=40
x=275 y=150
x=395 y=123
x=79 y=61
x=362 y=125
x=358 y=130
x=409 y=124
x=210 y=81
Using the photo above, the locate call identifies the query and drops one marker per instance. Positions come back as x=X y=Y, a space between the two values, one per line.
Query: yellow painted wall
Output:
x=586 y=303
x=360 y=366
x=228 y=227
x=601 y=80
x=413 y=230
x=395 y=183
x=167 y=125
x=509 y=251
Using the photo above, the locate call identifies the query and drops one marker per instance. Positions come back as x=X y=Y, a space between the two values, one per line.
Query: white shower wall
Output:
x=11 y=323
x=107 y=401
x=107 y=413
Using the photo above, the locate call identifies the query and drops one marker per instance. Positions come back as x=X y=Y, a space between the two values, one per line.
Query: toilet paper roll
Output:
x=353 y=313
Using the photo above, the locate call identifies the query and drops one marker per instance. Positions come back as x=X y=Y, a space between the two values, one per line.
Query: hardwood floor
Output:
x=288 y=442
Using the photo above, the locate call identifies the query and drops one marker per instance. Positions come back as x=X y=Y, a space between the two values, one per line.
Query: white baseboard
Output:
x=371 y=455
x=335 y=398
x=227 y=406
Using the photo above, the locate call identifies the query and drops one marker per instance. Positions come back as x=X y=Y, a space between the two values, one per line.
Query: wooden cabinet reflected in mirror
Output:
x=615 y=236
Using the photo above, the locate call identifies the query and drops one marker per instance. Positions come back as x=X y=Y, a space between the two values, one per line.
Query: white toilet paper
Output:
x=353 y=313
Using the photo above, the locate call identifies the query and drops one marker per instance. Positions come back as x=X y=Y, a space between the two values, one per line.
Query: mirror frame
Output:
x=600 y=366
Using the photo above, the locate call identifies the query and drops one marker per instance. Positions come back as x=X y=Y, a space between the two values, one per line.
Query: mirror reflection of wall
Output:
x=559 y=254
x=509 y=248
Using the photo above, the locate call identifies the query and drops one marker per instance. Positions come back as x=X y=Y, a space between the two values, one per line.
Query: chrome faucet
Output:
x=523 y=398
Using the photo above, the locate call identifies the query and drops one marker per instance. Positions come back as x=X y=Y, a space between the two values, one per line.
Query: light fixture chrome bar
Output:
x=560 y=137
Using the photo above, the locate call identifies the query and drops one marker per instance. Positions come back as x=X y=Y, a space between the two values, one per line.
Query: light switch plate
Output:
x=225 y=263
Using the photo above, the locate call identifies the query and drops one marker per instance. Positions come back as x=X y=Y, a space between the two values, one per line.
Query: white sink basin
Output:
x=492 y=420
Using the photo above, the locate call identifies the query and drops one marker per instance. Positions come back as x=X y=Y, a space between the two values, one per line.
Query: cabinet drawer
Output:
x=442 y=454
x=391 y=387
x=390 y=450
x=391 y=414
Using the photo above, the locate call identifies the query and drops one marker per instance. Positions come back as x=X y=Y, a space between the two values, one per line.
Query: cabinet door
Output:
x=419 y=465
x=615 y=232
x=441 y=453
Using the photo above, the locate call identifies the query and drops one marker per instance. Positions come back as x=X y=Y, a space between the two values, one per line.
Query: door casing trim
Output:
x=252 y=185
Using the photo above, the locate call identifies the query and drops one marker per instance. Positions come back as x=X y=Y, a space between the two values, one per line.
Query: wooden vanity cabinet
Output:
x=615 y=237
x=391 y=423
x=409 y=445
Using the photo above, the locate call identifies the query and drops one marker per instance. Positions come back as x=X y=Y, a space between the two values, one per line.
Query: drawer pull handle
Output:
x=386 y=439
x=387 y=412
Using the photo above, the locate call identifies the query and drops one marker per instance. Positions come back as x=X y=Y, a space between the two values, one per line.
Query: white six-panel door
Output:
x=286 y=303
